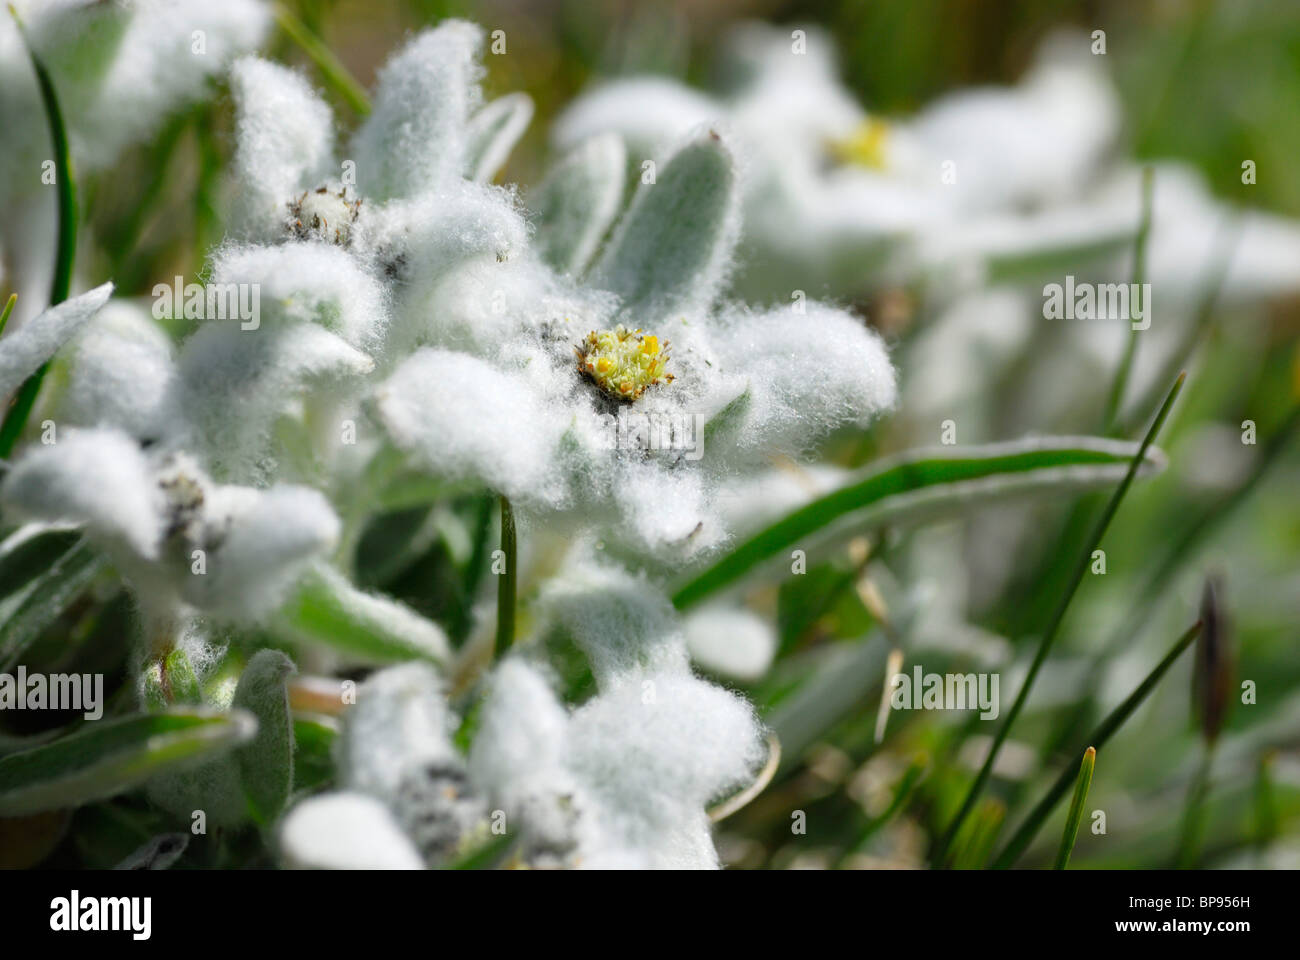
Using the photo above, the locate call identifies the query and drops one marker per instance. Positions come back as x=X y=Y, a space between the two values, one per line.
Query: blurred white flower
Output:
x=119 y=69
x=836 y=198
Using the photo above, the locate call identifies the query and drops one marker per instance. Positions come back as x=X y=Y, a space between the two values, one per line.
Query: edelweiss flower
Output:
x=665 y=397
x=833 y=195
x=180 y=540
x=621 y=781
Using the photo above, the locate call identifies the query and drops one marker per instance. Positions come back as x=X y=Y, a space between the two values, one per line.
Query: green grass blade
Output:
x=1049 y=635
x=1099 y=738
x=921 y=482
x=1081 y=785
x=8 y=309
x=507 y=582
x=1120 y=385
x=331 y=68
x=110 y=757
x=66 y=245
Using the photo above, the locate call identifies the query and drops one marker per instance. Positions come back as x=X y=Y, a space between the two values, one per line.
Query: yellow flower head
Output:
x=623 y=362
x=866 y=146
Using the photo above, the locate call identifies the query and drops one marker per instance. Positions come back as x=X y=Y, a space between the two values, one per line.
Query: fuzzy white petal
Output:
x=466 y=420
x=121 y=373
x=417 y=134
x=120 y=507
x=345 y=831
x=730 y=641
x=285 y=142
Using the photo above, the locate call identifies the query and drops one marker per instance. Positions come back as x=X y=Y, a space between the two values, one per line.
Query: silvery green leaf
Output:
x=493 y=133
x=33 y=343
x=266 y=762
x=106 y=758
x=672 y=248
x=330 y=611
x=578 y=201
x=27 y=613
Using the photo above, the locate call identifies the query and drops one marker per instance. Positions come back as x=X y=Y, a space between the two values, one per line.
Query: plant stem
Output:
x=1120 y=385
x=1098 y=739
x=1081 y=785
x=507 y=584
x=1045 y=644
x=331 y=67
x=8 y=309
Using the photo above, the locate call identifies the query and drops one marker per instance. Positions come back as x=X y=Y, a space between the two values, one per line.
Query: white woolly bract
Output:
x=731 y=641
x=308 y=282
x=578 y=200
x=399 y=723
x=493 y=132
x=266 y=539
x=285 y=143
x=807 y=374
x=121 y=508
x=672 y=249
x=233 y=383
x=416 y=135
x=654 y=752
x=24 y=350
x=121 y=373
x=345 y=831
x=623 y=623
x=464 y=420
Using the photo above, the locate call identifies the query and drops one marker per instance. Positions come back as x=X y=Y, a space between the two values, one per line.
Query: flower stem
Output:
x=1049 y=635
x=331 y=67
x=1081 y=784
x=507 y=584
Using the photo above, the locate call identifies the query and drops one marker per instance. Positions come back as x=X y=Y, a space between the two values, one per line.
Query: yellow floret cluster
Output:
x=624 y=362
x=866 y=146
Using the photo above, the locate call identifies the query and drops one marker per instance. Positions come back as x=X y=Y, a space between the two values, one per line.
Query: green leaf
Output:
x=1076 y=808
x=577 y=201
x=66 y=244
x=330 y=611
x=266 y=762
x=28 y=551
x=673 y=243
x=28 y=613
x=919 y=484
x=106 y=758
x=493 y=133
